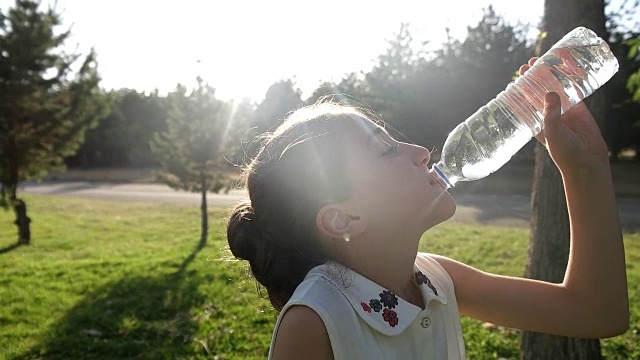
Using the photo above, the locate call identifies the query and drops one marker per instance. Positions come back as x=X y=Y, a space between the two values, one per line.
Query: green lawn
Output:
x=108 y=280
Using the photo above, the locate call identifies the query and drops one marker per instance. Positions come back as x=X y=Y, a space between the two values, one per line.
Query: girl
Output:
x=338 y=207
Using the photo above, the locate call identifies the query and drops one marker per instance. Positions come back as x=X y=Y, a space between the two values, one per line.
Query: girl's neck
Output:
x=391 y=269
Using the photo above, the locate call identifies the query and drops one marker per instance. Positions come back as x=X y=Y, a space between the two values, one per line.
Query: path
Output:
x=499 y=210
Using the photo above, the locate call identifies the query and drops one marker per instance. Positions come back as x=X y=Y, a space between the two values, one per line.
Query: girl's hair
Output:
x=299 y=168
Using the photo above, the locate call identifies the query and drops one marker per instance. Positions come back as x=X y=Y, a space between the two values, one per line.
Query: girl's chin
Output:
x=443 y=213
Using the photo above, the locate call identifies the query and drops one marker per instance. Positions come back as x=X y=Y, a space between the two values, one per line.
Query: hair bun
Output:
x=242 y=232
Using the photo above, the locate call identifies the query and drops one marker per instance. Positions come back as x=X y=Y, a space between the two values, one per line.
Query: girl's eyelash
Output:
x=392 y=149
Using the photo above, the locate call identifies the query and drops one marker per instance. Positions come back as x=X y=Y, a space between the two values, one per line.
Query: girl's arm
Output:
x=302 y=334
x=592 y=300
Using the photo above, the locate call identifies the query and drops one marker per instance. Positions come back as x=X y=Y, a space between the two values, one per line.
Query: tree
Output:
x=634 y=80
x=425 y=94
x=45 y=106
x=281 y=98
x=622 y=131
x=238 y=132
x=190 y=149
x=549 y=244
x=634 y=88
x=491 y=51
x=122 y=138
x=347 y=92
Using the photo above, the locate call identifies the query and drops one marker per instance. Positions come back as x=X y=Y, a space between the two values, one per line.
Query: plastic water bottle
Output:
x=574 y=68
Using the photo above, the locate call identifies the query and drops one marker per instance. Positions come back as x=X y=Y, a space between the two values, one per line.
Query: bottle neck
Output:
x=439 y=175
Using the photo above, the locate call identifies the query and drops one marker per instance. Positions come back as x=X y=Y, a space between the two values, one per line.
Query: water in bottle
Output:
x=574 y=68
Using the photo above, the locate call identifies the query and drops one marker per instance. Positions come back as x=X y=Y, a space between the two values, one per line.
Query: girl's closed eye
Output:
x=392 y=150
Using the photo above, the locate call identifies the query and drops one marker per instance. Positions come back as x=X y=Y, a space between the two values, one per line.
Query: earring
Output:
x=346 y=237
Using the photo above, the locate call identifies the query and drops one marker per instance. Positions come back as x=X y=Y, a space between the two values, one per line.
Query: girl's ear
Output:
x=333 y=221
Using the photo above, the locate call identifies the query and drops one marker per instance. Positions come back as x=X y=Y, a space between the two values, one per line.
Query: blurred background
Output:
x=424 y=66
x=105 y=103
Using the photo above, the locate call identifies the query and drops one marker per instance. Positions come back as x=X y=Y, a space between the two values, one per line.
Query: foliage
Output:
x=634 y=80
x=82 y=292
x=122 y=138
x=426 y=94
x=349 y=92
x=191 y=147
x=622 y=16
x=239 y=131
x=45 y=106
x=281 y=98
x=622 y=128
x=420 y=90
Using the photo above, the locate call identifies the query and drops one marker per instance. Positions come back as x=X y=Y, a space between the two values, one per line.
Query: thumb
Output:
x=551 y=114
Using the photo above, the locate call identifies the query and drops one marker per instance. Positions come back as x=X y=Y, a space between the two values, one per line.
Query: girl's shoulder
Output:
x=428 y=264
x=320 y=292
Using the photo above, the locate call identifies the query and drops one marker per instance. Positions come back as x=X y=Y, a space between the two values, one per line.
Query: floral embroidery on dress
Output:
x=390 y=316
x=375 y=305
x=388 y=299
x=423 y=279
x=366 y=307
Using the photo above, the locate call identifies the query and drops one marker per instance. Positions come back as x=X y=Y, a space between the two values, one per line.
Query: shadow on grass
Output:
x=9 y=248
x=144 y=316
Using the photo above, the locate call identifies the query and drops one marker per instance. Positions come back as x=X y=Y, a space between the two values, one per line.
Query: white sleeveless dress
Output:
x=366 y=321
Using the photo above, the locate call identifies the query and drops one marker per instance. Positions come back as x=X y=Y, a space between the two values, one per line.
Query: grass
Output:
x=108 y=280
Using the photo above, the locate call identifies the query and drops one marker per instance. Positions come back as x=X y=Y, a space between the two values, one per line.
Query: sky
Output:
x=241 y=47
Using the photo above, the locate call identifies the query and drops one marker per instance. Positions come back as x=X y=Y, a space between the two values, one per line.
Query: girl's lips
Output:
x=432 y=179
x=435 y=180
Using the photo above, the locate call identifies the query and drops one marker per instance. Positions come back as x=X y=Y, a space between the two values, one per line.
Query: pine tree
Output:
x=190 y=150
x=45 y=106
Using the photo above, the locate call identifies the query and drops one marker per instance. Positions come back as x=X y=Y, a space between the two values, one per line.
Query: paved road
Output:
x=131 y=192
x=500 y=210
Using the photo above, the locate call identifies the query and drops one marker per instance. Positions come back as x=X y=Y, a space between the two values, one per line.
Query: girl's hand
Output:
x=573 y=140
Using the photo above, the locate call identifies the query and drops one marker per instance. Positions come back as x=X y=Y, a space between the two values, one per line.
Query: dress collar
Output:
x=378 y=307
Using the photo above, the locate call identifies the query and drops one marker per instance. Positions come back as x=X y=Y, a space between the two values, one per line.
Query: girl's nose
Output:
x=421 y=155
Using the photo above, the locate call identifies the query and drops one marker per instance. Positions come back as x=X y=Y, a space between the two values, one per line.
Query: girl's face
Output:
x=392 y=186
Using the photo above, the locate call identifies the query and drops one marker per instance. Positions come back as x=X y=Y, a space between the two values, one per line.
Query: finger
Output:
x=523 y=69
x=551 y=115
x=532 y=60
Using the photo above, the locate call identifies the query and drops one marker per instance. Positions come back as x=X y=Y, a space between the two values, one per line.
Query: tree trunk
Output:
x=549 y=243
x=3 y=196
x=203 y=212
x=548 y=256
x=22 y=220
